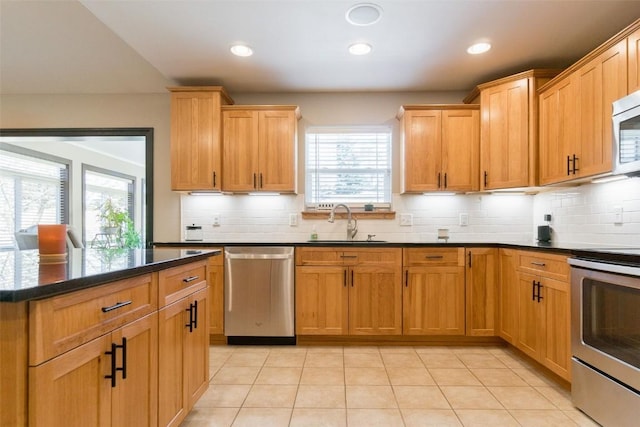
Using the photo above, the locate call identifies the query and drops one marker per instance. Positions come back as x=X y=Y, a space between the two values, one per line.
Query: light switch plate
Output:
x=617 y=214
x=293 y=220
x=464 y=219
x=216 y=220
x=406 y=219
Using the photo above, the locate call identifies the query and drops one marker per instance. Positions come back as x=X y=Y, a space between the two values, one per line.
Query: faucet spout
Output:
x=352 y=223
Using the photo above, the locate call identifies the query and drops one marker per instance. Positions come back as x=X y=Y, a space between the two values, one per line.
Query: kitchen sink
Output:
x=339 y=241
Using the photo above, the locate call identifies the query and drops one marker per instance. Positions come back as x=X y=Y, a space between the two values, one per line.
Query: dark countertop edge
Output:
x=54 y=289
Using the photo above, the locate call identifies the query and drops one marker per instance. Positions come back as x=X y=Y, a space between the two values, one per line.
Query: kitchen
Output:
x=578 y=213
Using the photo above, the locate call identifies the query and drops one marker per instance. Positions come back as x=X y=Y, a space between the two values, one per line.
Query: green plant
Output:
x=117 y=222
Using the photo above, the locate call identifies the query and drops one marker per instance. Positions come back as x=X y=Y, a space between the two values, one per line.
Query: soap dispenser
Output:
x=314 y=233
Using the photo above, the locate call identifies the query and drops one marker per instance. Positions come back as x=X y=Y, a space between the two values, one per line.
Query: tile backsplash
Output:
x=581 y=214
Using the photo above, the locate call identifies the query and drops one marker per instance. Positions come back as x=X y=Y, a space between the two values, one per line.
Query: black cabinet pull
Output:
x=348 y=256
x=438 y=179
x=434 y=256
x=123 y=368
x=214 y=179
x=485 y=178
x=345 y=278
x=190 y=324
x=533 y=290
x=115 y=306
x=352 y=278
x=575 y=162
x=190 y=279
x=469 y=253
x=260 y=179
x=568 y=165
x=195 y=314
x=539 y=264
x=254 y=180
x=445 y=180
x=406 y=278
x=112 y=353
x=539 y=296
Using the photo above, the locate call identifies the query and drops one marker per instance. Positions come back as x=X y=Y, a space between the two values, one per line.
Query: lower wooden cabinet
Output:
x=508 y=296
x=434 y=291
x=183 y=357
x=481 y=289
x=73 y=388
x=359 y=292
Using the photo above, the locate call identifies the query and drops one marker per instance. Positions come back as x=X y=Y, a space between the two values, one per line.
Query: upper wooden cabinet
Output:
x=260 y=148
x=195 y=137
x=440 y=147
x=509 y=130
x=576 y=138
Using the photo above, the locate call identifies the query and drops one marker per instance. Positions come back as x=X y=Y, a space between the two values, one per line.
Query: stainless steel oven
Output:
x=605 y=340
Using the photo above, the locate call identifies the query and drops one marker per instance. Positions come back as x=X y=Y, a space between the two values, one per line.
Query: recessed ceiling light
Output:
x=359 y=49
x=241 y=50
x=363 y=14
x=478 y=48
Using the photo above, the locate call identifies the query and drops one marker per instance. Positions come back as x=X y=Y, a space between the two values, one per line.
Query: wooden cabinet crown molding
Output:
x=623 y=34
x=223 y=93
x=418 y=107
x=295 y=108
x=473 y=96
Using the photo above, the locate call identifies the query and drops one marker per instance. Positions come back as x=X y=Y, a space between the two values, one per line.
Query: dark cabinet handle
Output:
x=260 y=179
x=195 y=314
x=533 y=290
x=433 y=256
x=445 y=180
x=539 y=264
x=438 y=179
x=469 y=253
x=190 y=324
x=486 y=175
x=190 y=279
x=406 y=278
x=539 y=296
x=348 y=256
x=115 y=306
x=568 y=165
x=254 y=180
x=345 y=278
x=114 y=367
x=575 y=162
x=352 y=278
x=214 y=179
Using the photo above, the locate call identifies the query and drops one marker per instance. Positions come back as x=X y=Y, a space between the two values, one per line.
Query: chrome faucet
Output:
x=352 y=223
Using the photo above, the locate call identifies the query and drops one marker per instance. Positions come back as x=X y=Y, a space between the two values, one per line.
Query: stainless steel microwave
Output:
x=626 y=135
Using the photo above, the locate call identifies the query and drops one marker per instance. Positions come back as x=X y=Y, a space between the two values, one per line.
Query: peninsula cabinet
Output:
x=544 y=310
x=509 y=130
x=481 y=289
x=183 y=341
x=434 y=291
x=440 y=147
x=260 y=148
x=348 y=291
x=94 y=360
x=196 y=154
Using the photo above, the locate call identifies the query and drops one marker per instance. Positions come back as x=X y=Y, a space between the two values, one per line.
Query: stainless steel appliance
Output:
x=259 y=295
x=605 y=339
x=626 y=135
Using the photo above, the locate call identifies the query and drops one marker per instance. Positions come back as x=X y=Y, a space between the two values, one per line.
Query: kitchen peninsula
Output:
x=83 y=341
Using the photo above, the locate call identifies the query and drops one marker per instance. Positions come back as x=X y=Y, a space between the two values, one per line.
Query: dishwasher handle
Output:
x=257 y=256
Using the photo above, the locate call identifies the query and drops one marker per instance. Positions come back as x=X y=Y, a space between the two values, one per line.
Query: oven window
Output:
x=611 y=320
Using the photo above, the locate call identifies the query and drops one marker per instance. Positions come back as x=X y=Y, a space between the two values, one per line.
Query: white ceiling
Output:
x=141 y=46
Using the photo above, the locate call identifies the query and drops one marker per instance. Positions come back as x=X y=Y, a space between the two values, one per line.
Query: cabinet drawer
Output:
x=319 y=256
x=434 y=256
x=547 y=265
x=61 y=323
x=349 y=256
x=178 y=282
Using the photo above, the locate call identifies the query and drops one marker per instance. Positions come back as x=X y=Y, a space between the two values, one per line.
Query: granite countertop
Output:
x=606 y=253
x=23 y=277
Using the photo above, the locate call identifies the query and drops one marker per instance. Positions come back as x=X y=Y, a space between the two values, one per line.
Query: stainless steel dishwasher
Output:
x=259 y=295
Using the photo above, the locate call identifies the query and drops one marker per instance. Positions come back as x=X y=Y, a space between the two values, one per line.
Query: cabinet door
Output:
x=557 y=132
x=321 y=300
x=529 y=316
x=633 y=50
x=196 y=348
x=460 y=150
x=556 y=348
x=216 y=299
x=240 y=150
x=277 y=131
x=422 y=153
x=135 y=398
x=504 y=135
x=508 y=296
x=172 y=398
x=195 y=141
x=433 y=301
x=71 y=389
x=375 y=300
x=481 y=278
x=600 y=82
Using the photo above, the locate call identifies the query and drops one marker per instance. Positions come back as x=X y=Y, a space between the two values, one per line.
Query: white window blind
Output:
x=34 y=190
x=348 y=165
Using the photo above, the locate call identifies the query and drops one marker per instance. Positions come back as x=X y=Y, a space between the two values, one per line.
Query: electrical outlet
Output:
x=406 y=219
x=464 y=219
x=293 y=220
x=617 y=214
x=216 y=220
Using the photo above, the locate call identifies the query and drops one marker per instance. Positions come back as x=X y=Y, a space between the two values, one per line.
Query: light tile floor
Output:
x=379 y=386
